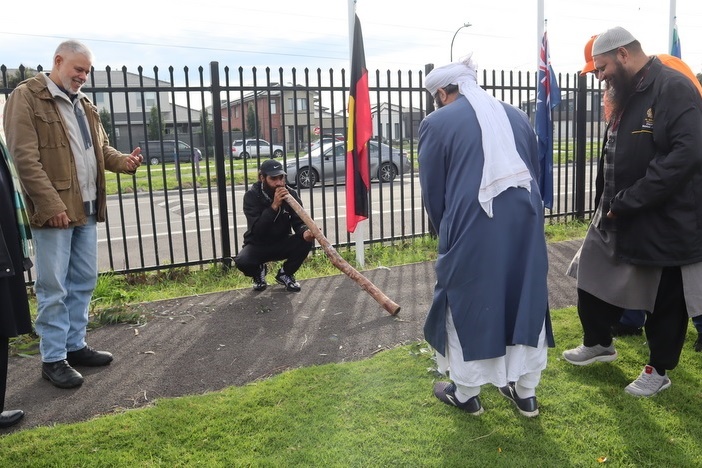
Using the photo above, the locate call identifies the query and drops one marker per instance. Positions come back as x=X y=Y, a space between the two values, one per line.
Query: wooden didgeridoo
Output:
x=339 y=262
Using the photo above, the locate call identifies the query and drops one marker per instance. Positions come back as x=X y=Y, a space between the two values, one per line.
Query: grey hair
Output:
x=74 y=47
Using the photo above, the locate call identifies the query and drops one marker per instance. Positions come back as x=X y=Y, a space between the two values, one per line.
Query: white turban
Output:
x=503 y=167
x=450 y=74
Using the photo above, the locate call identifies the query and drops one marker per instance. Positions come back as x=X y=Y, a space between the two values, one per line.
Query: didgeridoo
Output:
x=339 y=262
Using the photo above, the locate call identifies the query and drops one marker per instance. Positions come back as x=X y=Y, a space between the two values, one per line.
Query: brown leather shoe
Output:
x=61 y=374
x=88 y=357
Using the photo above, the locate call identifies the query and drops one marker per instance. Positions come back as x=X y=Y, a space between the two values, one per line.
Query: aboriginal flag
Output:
x=358 y=134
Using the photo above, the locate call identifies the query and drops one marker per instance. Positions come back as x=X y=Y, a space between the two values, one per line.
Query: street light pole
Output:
x=465 y=25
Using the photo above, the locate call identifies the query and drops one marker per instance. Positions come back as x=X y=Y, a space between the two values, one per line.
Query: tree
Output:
x=19 y=76
x=155 y=125
x=106 y=120
x=207 y=126
x=252 y=123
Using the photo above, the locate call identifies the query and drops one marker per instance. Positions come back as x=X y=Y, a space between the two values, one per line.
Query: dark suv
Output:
x=158 y=151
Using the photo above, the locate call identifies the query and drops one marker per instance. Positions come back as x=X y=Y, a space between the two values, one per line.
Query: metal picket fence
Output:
x=180 y=210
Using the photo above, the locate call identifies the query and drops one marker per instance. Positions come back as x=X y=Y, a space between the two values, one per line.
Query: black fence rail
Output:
x=204 y=132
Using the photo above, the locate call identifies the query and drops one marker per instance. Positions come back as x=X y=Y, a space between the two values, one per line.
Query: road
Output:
x=147 y=230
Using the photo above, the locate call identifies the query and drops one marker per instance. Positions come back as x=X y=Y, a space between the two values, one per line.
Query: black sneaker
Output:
x=527 y=406
x=446 y=392
x=288 y=281
x=698 y=343
x=259 y=281
x=88 y=357
x=61 y=374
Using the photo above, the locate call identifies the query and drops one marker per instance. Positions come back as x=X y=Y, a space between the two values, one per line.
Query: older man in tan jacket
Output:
x=61 y=151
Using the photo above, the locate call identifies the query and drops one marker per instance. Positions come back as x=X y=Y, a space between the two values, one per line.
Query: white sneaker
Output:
x=648 y=383
x=584 y=355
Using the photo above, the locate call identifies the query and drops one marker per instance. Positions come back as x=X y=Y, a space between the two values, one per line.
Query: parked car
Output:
x=328 y=163
x=255 y=148
x=158 y=151
x=327 y=142
x=335 y=136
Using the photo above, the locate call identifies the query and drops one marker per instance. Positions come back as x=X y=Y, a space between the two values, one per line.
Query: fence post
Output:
x=429 y=109
x=219 y=165
x=580 y=143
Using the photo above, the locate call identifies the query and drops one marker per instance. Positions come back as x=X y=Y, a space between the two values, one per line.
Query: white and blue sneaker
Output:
x=446 y=392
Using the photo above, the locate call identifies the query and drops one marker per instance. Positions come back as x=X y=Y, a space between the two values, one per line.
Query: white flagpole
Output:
x=360 y=233
x=352 y=22
x=539 y=30
x=671 y=25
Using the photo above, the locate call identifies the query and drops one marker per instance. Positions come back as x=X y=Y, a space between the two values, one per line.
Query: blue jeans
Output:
x=66 y=266
x=697 y=322
x=633 y=318
x=637 y=318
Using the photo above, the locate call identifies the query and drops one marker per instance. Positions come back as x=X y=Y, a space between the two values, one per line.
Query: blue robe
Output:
x=491 y=272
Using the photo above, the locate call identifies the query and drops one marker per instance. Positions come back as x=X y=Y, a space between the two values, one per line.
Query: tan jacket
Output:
x=38 y=142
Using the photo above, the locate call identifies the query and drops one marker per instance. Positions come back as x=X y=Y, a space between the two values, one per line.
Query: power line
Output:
x=148 y=44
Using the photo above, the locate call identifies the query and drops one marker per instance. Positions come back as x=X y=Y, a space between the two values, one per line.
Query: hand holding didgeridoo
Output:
x=339 y=262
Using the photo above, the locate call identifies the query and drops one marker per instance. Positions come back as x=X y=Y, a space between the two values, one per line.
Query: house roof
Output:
x=383 y=106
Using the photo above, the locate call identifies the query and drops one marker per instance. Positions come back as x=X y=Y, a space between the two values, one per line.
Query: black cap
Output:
x=271 y=168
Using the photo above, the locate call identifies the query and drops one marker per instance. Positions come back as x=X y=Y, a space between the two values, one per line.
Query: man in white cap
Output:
x=644 y=246
x=632 y=321
x=489 y=321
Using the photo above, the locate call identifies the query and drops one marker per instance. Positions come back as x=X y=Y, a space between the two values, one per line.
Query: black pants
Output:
x=293 y=250
x=665 y=327
x=4 y=353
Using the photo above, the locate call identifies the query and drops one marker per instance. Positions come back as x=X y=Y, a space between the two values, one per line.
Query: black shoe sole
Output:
x=89 y=364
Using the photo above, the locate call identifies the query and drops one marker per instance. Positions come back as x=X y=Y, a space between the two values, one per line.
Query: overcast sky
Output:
x=398 y=34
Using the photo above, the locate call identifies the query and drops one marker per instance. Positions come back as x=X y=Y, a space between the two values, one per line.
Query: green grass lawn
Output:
x=160 y=176
x=381 y=412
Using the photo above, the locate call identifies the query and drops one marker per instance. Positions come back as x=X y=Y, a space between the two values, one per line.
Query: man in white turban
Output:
x=489 y=321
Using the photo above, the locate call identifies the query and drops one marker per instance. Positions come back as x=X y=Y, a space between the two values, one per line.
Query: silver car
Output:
x=254 y=148
x=327 y=163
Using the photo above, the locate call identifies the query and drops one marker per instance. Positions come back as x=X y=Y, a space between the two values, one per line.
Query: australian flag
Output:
x=675 y=50
x=548 y=96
